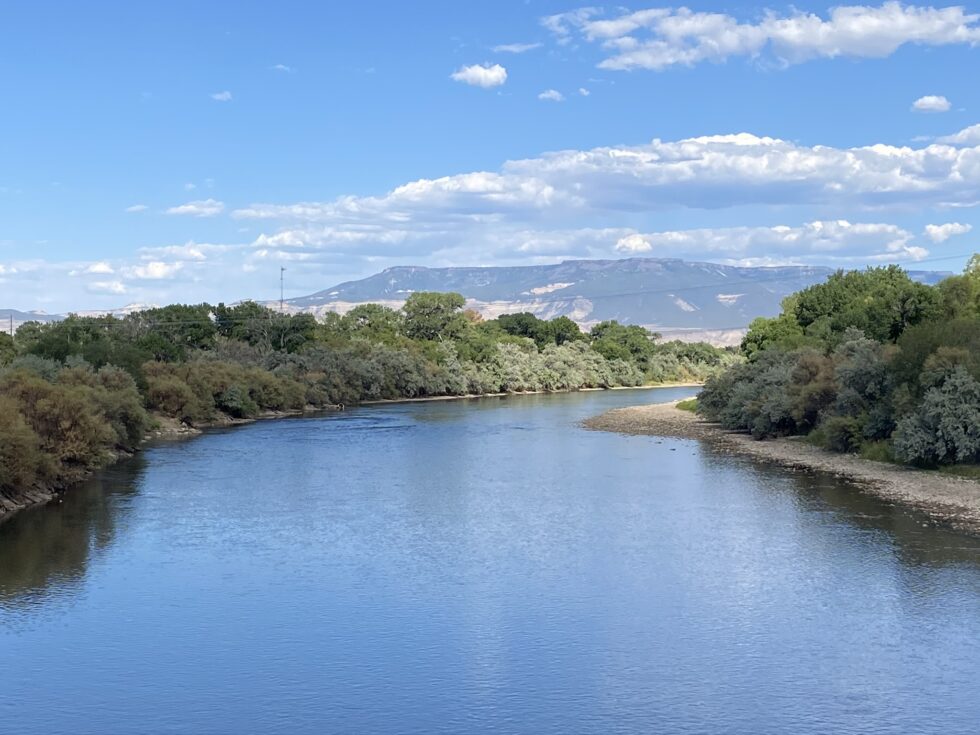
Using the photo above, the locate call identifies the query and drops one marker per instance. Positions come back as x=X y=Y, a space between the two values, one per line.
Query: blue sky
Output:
x=338 y=139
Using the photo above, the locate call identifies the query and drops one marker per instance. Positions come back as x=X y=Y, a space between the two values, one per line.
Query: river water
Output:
x=480 y=566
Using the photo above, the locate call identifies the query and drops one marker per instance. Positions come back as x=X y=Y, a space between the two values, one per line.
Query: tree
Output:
x=882 y=302
x=564 y=330
x=430 y=315
x=373 y=322
x=616 y=341
x=181 y=326
x=7 y=350
x=782 y=332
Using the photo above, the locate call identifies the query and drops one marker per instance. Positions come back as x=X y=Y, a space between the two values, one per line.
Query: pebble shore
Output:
x=950 y=501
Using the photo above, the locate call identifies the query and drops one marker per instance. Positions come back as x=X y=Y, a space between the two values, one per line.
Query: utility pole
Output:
x=11 y=326
x=282 y=271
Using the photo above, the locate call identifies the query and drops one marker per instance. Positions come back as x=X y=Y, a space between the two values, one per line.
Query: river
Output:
x=480 y=566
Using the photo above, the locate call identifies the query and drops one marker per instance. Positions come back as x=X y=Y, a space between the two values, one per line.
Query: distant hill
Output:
x=678 y=298
x=19 y=317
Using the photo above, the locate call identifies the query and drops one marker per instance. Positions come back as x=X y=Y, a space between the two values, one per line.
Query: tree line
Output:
x=869 y=361
x=78 y=392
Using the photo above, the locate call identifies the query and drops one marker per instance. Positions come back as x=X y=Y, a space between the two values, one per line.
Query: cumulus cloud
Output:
x=189 y=251
x=710 y=172
x=659 y=38
x=199 y=208
x=931 y=103
x=592 y=203
x=633 y=243
x=967 y=137
x=584 y=92
x=551 y=95
x=224 y=96
x=101 y=268
x=831 y=240
x=481 y=75
x=941 y=233
x=154 y=270
x=516 y=48
x=573 y=203
x=106 y=287
x=132 y=209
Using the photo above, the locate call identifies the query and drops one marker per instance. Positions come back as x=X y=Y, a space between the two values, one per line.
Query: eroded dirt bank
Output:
x=952 y=501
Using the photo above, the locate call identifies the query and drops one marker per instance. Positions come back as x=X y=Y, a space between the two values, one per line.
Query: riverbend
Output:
x=481 y=566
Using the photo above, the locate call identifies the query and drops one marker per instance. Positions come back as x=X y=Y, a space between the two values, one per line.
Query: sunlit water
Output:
x=480 y=566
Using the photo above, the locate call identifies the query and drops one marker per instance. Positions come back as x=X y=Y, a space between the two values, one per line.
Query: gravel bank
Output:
x=952 y=501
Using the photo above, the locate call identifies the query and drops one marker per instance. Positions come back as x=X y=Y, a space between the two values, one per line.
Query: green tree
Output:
x=7 y=350
x=430 y=315
x=882 y=302
x=373 y=322
x=782 y=332
x=616 y=341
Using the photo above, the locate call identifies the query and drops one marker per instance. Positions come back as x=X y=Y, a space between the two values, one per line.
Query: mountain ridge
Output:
x=690 y=299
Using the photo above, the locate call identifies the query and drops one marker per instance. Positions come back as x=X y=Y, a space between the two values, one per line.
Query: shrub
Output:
x=842 y=433
x=945 y=428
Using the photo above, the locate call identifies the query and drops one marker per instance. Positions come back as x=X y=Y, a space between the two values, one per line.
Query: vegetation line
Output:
x=77 y=393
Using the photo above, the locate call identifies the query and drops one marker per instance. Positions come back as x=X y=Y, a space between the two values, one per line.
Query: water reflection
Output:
x=916 y=539
x=47 y=550
x=480 y=566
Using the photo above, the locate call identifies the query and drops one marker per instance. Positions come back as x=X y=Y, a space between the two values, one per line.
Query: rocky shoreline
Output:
x=950 y=501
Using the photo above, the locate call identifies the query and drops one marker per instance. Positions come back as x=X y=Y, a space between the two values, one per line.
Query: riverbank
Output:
x=166 y=429
x=472 y=396
x=950 y=501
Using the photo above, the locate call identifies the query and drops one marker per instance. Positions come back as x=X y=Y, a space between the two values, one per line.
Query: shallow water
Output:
x=480 y=566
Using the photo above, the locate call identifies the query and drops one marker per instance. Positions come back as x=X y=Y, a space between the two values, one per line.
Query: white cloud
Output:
x=941 y=233
x=136 y=208
x=282 y=67
x=224 y=96
x=199 y=208
x=481 y=75
x=584 y=92
x=827 y=240
x=594 y=203
x=154 y=270
x=710 y=172
x=658 y=38
x=551 y=95
x=562 y=24
x=931 y=103
x=633 y=243
x=106 y=287
x=101 y=267
x=967 y=137
x=516 y=48
x=190 y=186
x=189 y=251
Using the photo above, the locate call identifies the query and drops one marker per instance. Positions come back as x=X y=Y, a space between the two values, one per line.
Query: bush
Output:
x=841 y=433
x=22 y=463
x=945 y=428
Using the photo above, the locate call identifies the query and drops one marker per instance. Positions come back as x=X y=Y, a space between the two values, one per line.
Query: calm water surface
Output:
x=480 y=566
